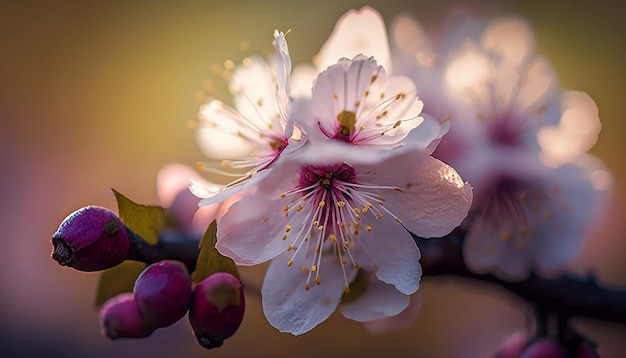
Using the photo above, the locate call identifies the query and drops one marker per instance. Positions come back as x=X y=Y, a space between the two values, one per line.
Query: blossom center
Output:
x=513 y=211
x=347 y=125
x=324 y=216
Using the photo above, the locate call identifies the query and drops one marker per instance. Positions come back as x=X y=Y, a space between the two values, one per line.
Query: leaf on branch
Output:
x=119 y=279
x=210 y=260
x=145 y=220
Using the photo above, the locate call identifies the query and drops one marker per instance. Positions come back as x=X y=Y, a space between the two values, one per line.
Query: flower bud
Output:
x=543 y=348
x=91 y=239
x=217 y=307
x=163 y=292
x=120 y=318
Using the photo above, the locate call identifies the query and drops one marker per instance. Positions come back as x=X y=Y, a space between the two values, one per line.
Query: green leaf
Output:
x=119 y=279
x=145 y=220
x=210 y=260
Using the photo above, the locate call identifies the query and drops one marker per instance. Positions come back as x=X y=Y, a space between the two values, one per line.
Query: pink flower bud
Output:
x=90 y=239
x=543 y=348
x=163 y=292
x=513 y=346
x=120 y=318
x=217 y=307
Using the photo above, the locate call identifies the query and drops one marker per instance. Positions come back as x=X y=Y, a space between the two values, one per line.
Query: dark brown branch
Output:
x=568 y=296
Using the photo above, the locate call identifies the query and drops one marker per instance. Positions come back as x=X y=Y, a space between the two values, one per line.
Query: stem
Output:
x=185 y=251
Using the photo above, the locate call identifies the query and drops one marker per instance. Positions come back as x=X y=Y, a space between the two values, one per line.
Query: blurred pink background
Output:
x=95 y=95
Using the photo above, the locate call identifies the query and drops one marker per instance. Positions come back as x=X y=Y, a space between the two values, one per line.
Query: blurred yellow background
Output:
x=99 y=94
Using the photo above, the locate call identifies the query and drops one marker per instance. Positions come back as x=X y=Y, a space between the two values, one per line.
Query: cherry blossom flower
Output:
x=366 y=106
x=251 y=136
x=515 y=137
x=324 y=221
x=530 y=217
x=355 y=102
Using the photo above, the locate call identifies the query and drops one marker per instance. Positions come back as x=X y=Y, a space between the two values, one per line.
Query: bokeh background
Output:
x=99 y=94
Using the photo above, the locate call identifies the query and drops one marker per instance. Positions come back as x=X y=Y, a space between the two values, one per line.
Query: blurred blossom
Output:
x=182 y=211
x=513 y=136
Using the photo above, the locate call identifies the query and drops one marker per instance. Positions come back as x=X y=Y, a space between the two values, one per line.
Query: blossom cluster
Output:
x=337 y=163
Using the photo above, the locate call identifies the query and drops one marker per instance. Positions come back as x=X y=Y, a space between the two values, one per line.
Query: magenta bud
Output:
x=120 y=318
x=217 y=307
x=90 y=239
x=543 y=348
x=163 y=292
x=513 y=346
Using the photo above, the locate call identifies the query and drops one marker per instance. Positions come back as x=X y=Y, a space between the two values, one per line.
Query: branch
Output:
x=568 y=296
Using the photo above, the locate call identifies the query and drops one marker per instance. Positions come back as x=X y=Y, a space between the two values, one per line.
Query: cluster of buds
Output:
x=95 y=239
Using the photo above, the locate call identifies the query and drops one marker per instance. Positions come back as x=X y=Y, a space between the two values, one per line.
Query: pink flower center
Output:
x=324 y=216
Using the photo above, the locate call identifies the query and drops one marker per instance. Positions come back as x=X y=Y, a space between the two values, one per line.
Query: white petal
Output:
x=432 y=200
x=509 y=38
x=224 y=133
x=357 y=32
x=390 y=252
x=250 y=232
x=291 y=308
x=399 y=321
x=379 y=300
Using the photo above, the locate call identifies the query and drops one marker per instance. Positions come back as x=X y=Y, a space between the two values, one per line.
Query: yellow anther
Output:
x=397 y=124
x=290 y=262
x=343 y=261
x=315 y=223
x=287 y=228
x=282 y=196
x=299 y=208
x=318 y=280
x=357 y=210
x=374 y=77
x=365 y=209
x=399 y=221
x=320 y=227
x=306 y=287
x=321 y=203
x=313 y=268
x=367 y=93
x=341 y=204
x=335 y=96
x=346 y=289
x=289 y=248
x=357 y=103
x=379 y=216
x=286 y=208
x=356 y=266
x=368 y=228
x=284 y=237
